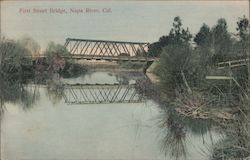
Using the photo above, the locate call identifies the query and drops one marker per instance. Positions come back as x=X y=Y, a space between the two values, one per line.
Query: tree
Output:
x=13 y=56
x=222 y=43
x=30 y=44
x=55 y=50
x=154 y=49
x=180 y=67
x=215 y=43
x=176 y=35
x=175 y=57
x=55 y=55
x=173 y=65
x=204 y=42
x=243 y=28
x=204 y=37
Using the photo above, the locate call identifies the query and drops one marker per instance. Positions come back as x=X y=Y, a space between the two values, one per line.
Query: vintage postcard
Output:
x=124 y=80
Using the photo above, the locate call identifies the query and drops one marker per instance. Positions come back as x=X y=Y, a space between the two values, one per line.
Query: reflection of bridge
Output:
x=95 y=93
x=101 y=93
x=107 y=50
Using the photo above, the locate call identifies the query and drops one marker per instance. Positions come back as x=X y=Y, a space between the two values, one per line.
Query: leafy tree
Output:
x=204 y=42
x=154 y=49
x=173 y=64
x=56 y=49
x=176 y=35
x=214 y=44
x=204 y=37
x=30 y=44
x=243 y=28
x=55 y=56
x=222 y=42
x=13 y=56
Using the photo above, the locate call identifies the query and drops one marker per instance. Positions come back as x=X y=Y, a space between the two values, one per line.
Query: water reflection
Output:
x=174 y=141
x=176 y=130
x=234 y=133
x=54 y=89
x=13 y=90
x=101 y=93
x=121 y=90
x=95 y=124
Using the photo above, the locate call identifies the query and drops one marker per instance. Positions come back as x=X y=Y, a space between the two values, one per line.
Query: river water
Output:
x=49 y=127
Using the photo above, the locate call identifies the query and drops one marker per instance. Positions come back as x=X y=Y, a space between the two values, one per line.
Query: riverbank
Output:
x=102 y=65
x=151 y=75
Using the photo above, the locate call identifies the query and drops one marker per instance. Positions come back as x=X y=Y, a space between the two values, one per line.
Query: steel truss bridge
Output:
x=107 y=50
x=96 y=93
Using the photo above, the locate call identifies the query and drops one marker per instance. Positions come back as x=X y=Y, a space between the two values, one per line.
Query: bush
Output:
x=13 y=57
x=73 y=70
x=173 y=61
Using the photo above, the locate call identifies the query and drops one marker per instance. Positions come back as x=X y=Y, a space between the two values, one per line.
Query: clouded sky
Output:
x=143 y=21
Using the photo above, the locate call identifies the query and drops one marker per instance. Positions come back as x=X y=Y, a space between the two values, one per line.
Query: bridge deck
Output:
x=108 y=58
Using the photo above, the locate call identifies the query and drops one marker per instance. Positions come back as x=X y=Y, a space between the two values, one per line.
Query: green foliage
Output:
x=177 y=35
x=13 y=56
x=132 y=65
x=213 y=45
x=236 y=144
x=204 y=37
x=173 y=60
x=180 y=66
x=243 y=27
x=216 y=42
x=222 y=43
x=55 y=55
x=14 y=62
x=154 y=49
x=73 y=70
x=55 y=50
x=30 y=44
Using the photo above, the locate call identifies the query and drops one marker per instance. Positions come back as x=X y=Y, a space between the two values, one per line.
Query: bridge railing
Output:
x=233 y=63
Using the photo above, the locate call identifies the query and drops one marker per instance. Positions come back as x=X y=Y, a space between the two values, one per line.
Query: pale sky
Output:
x=139 y=21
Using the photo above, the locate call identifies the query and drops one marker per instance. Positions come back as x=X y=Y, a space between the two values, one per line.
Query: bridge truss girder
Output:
x=104 y=48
